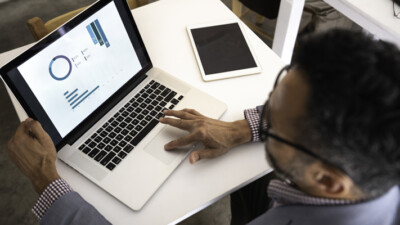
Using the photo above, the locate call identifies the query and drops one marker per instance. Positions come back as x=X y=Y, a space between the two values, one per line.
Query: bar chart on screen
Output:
x=74 y=98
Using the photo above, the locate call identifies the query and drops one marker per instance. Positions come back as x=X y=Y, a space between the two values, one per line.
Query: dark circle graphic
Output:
x=51 y=64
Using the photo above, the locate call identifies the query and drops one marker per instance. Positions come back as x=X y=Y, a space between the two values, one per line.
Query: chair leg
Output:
x=37 y=28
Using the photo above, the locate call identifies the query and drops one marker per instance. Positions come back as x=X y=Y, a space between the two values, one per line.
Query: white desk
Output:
x=191 y=187
x=375 y=16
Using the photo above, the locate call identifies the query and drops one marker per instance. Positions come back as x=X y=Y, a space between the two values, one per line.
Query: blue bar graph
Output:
x=77 y=98
x=72 y=93
x=103 y=36
x=94 y=39
x=97 y=34
x=85 y=97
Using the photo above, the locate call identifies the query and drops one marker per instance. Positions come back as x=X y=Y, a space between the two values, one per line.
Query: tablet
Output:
x=222 y=50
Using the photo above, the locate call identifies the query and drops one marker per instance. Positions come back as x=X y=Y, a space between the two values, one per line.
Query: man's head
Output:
x=341 y=101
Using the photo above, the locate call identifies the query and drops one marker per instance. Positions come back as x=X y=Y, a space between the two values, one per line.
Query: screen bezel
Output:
x=31 y=105
x=227 y=74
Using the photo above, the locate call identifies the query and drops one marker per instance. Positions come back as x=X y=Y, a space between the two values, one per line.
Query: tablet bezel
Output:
x=228 y=74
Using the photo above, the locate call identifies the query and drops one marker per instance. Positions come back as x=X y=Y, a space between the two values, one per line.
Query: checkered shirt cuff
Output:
x=253 y=118
x=54 y=191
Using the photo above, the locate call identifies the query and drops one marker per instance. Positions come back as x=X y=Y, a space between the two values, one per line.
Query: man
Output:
x=331 y=129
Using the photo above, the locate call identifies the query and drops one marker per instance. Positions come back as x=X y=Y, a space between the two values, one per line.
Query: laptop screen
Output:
x=69 y=79
x=82 y=69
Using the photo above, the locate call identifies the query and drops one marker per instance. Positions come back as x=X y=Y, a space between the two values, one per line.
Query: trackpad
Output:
x=156 y=145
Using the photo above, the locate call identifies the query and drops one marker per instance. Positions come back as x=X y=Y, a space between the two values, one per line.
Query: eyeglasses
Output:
x=265 y=126
x=396 y=9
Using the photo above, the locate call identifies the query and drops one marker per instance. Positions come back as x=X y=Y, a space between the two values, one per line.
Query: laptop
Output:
x=92 y=86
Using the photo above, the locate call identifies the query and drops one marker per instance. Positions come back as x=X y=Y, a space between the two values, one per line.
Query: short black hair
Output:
x=353 y=117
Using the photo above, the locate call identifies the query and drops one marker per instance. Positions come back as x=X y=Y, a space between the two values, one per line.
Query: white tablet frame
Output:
x=229 y=74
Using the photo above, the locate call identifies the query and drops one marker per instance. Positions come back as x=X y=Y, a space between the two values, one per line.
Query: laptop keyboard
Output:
x=112 y=142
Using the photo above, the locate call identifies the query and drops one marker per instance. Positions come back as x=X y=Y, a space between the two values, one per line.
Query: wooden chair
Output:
x=39 y=29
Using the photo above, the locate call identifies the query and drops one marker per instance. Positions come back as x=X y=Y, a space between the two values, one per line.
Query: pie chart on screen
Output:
x=60 y=67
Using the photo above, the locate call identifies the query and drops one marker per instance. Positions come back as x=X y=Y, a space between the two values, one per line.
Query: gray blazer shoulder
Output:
x=71 y=208
x=384 y=210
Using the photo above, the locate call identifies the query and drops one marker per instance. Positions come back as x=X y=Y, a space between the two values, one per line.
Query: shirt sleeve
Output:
x=253 y=118
x=54 y=191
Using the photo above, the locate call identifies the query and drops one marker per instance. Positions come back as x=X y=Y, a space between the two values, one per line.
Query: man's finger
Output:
x=202 y=154
x=178 y=123
x=183 y=141
x=192 y=111
x=179 y=114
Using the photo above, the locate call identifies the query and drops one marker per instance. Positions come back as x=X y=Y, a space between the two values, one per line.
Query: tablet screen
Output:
x=222 y=48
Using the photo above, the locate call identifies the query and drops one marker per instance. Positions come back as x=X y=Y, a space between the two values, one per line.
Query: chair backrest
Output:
x=39 y=29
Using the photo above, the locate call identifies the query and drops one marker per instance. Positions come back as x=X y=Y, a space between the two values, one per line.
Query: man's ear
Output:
x=326 y=181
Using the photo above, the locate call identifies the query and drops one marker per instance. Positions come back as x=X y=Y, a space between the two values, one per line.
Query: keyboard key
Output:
x=119 y=137
x=135 y=104
x=162 y=87
x=114 y=124
x=147 y=101
x=159 y=98
x=105 y=125
x=143 y=123
x=135 y=122
x=117 y=130
x=148 y=118
x=145 y=112
x=140 y=100
x=125 y=114
x=128 y=138
x=145 y=95
x=98 y=139
x=163 y=103
x=109 y=128
x=92 y=144
x=121 y=110
x=110 y=166
x=180 y=98
x=130 y=109
x=152 y=82
x=133 y=115
x=157 y=92
x=93 y=153
x=158 y=108
x=138 y=110
x=103 y=134
x=108 y=148
x=107 y=140
x=123 y=124
x=170 y=96
x=153 y=96
x=150 y=107
x=125 y=132
x=138 y=128
x=120 y=118
x=129 y=127
x=174 y=101
x=107 y=158
x=112 y=135
x=144 y=132
x=140 y=117
x=155 y=85
x=171 y=106
x=153 y=113
x=93 y=136
x=165 y=92
x=81 y=147
x=113 y=143
x=149 y=91
x=88 y=141
x=86 y=150
x=122 y=143
x=100 y=156
x=133 y=133
x=116 y=160
x=101 y=145
x=117 y=149
x=128 y=148
x=122 y=155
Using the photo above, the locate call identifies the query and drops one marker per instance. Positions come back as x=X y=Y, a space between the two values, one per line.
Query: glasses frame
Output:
x=265 y=134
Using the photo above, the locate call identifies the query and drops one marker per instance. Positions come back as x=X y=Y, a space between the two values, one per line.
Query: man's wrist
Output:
x=42 y=182
x=243 y=131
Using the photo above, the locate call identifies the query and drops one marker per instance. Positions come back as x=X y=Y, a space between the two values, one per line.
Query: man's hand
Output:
x=33 y=151
x=217 y=136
